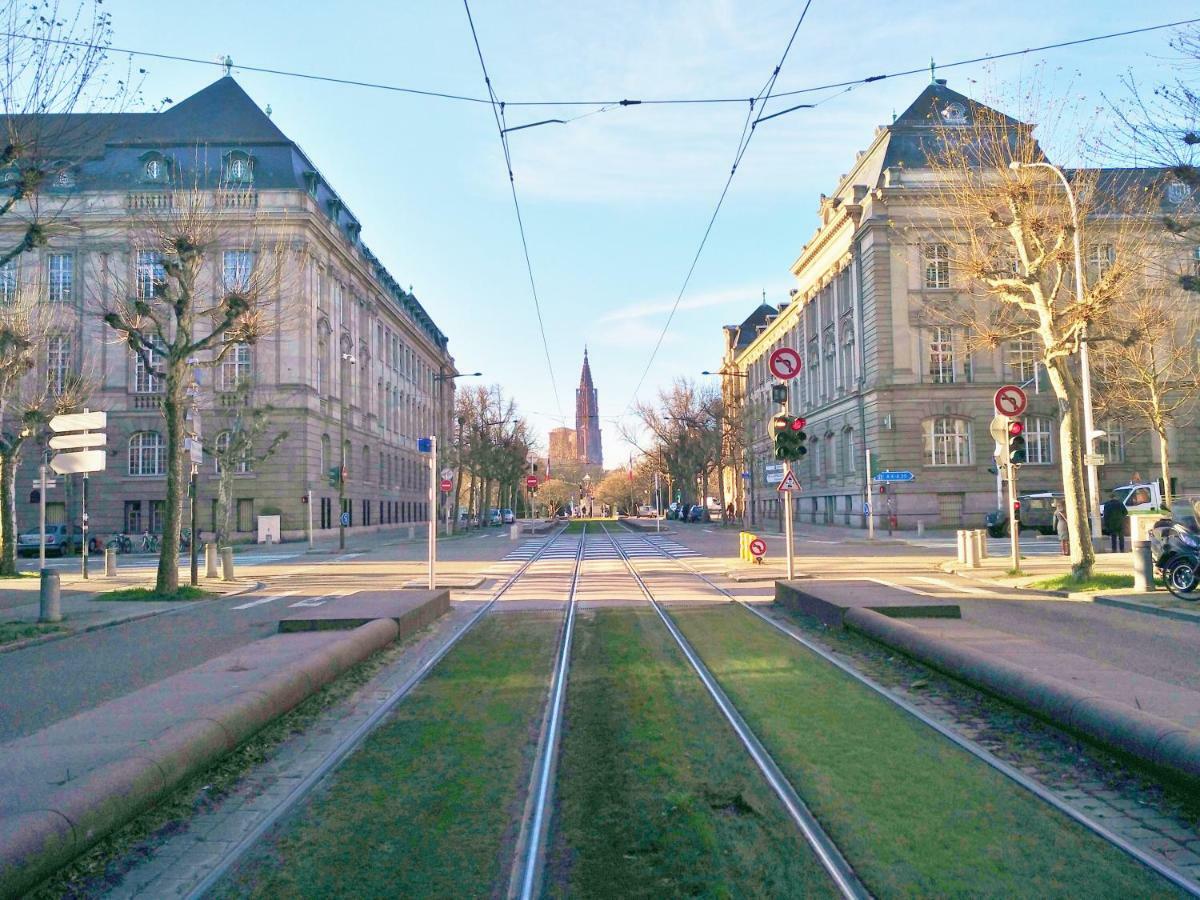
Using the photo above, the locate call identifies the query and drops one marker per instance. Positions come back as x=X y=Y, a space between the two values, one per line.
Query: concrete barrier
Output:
x=69 y=819
x=1154 y=741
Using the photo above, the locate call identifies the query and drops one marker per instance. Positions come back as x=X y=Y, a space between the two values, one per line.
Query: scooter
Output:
x=1176 y=551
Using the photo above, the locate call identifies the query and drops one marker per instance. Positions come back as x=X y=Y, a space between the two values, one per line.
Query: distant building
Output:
x=562 y=446
x=587 y=419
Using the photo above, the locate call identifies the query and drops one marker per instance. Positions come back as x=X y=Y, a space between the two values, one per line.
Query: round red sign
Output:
x=1010 y=401
x=758 y=547
x=785 y=363
x=531 y=481
x=447 y=484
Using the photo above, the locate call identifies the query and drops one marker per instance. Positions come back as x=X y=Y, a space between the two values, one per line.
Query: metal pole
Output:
x=310 y=520
x=787 y=530
x=657 y=506
x=342 y=457
x=84 y=524
x=1014 y=519
x=870 y=509
x=433 y=512
x=42 y=516
x=194 y=546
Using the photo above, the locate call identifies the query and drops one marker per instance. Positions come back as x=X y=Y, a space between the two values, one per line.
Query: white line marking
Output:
x=942 y=582
x=262 y=601
x=311 y=601
x=899 y=587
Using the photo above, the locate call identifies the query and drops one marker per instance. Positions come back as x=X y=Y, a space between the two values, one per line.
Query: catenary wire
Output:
x=498 y=114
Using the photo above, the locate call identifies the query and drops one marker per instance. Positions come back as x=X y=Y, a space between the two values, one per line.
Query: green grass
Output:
x=655 y=796
x=20 y=631
x=1098 y=581
x=183 y=592
x=576 y=526
x=915 y=815
x=430 y=804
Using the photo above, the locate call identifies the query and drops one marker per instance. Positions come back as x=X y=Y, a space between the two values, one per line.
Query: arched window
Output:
x=322 y=357
x=240 y=466
x=366 y=462
x=147 y=454
x=1039 y=441
x=235 y=367
x=850 y=450
x=325 y=464
x=948 y=441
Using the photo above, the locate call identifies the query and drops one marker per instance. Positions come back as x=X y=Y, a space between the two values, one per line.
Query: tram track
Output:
x=355 y=739
x=1042 y=793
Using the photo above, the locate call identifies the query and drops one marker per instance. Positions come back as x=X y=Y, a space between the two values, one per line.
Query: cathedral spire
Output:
x=587 y=418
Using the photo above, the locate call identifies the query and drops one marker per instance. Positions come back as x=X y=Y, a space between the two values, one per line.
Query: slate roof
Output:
x=748 y=330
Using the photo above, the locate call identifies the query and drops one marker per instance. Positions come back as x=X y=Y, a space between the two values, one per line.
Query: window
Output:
x=154 y=170
x=831 y=457
x=851 y=454
x=954 y=114
x=147 y=454
x=1022 y=359
x=941 y=355
x=1039 y=444
x=1112 y=443
x=58 y=363
x=238 y=168
x=146 y=380
x=324 y=455
x=339 y=306
x=150 y=274
x=948 y=442
x=241 y=465
x=937 y=266
x=60 y=275
x=235 y=367
x=1177 y=192
x=322 y=356
x=236 y=266
x=1100 y=259
x=8 y=282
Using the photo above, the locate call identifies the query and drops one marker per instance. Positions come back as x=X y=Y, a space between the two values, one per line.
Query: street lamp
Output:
x=438 y=379
x=1089 y=425
x=727 y=374
x=347 y=361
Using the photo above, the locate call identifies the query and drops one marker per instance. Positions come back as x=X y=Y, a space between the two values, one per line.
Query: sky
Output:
x=614 y=202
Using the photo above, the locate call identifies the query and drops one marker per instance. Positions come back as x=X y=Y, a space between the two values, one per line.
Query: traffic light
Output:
x=799 y=438
x=1016 y=442
x=789 y=435
x=780 y=431
x=335 y=476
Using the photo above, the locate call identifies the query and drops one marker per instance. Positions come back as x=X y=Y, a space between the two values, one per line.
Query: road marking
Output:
x=262 y=601
x=899 y=587
x=942 y=582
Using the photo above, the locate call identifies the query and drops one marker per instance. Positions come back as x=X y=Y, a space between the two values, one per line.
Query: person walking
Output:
x=1113 y=519
x=1060 y=525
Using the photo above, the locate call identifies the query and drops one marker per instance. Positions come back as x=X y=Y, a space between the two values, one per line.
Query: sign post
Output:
x=42 y=517
x=657 y=506
x=81 y=460
x=787 y=487
x=1010 y=401
x=429 y=445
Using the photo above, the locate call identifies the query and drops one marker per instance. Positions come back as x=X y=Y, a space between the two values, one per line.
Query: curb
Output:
x=1156 y=742
x=1180 y=615
x=35 y=843
x=136 y=617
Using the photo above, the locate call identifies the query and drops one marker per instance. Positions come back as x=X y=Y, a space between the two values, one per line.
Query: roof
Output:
x=748 y=330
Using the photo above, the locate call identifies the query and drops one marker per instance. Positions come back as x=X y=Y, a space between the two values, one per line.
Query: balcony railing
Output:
x=148 y=200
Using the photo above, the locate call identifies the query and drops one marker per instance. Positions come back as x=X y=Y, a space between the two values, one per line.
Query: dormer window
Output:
x=1177 y=192
x=954 y=114
x=239 y=168
x=154 y=168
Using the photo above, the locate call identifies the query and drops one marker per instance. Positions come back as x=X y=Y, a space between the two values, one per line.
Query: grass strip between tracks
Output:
x=430 y=804
x=914 y=815
x=655 y=795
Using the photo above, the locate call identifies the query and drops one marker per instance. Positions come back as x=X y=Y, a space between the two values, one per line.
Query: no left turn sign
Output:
x=1010 y=401
x=785 y=363
x=758 y=547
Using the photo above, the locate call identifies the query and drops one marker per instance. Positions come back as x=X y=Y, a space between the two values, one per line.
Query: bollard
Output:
x=962 y=545
x=514 y=532
x=49 y=598
x=920 y=528
x=110 y=563
x=210 y=560
x=981 y=547
x=971 y=549
x=227 y=564
x=412 y=532
x=1143 y=567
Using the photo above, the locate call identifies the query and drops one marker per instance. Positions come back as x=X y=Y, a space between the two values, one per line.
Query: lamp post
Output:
x=1089 y=425
x=439 y=378
x=347 y=361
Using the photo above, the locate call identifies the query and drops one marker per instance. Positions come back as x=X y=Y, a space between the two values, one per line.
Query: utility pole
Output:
x=433 y=486
x=347 y=360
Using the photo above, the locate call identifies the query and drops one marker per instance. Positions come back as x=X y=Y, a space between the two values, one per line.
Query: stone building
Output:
x=351 y=355
x=587 y=419
x=878 y=377
x=562 y=446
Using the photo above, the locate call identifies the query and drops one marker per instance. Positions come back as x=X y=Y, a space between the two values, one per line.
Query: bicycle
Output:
x=150 y=543
x=121 y=543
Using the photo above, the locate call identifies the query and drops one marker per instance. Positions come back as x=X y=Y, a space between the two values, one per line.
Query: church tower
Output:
x=587 y=419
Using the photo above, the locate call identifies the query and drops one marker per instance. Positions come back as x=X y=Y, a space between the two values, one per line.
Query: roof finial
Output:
x=764 y=295
x=932 y=71
x=228 y=63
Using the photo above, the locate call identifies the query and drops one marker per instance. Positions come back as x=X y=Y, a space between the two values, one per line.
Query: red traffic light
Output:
x=798 y=424
x=1015 y=428
x=1016 y=504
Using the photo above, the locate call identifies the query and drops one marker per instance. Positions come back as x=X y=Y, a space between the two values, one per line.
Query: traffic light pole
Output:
x=1014 y=519
x=433 y=488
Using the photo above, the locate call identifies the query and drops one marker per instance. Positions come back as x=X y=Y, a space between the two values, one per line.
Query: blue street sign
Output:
x=424 y=445
x=894 y=476
x=866 y=509
x=346 y=519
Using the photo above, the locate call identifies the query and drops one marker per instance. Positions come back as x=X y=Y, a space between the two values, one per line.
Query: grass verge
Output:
x=576 y=526
x=1098 y=581
x=655 y=796
x=149 y=595
x=11 y=632
x=429 y=805
x=915 y=815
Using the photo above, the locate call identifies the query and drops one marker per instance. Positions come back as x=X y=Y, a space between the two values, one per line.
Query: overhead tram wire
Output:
x=502 y=130
x=612 y=102
x=743 y=143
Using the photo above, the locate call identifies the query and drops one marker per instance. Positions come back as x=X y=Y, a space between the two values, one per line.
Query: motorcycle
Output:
x=1175 y=548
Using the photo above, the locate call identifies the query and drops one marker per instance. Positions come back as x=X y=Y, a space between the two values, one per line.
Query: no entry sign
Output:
x=758 y=547
x=785 y=363
x=1010 y=401
x=446 y=485
x=531 y=482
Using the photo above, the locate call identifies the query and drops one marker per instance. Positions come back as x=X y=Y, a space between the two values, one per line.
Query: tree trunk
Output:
x=167 y=581
x=1062 y=380
x=225 y=505
x=1164 y=452
x=8 y=509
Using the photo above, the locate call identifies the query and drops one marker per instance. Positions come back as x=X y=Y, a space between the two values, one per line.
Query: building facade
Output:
x=562 y=446
x=880 y=380
x=352 y=372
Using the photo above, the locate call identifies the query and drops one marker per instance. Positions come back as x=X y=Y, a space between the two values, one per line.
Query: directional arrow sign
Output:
x=88 y=421
x=79 y=463
x=894 y=476
x=785 y=363
x=78 y=441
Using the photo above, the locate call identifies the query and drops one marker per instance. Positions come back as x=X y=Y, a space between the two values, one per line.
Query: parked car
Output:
x=60 y=539
x=645 y=511
x=697 y=513
x=495 y=517
x=508 y=516
x=1037 y=512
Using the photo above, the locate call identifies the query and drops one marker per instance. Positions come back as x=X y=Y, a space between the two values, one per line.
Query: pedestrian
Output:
x=1060 y=525
x=1113 y=519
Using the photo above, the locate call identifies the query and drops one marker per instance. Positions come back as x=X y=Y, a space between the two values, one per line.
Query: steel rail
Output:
x=355 y=738
x=830 y=857
x=1039 y=790
x=534 y=825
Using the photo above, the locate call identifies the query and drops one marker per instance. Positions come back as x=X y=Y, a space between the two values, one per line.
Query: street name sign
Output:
x=894 y=476
x=86 y=421
x=789 y=484
x=773 y=473
x=78 y=463
x=785 y=363
x=50 y=482
x=1093 y=459
x=78 y=441
x=1010 y=401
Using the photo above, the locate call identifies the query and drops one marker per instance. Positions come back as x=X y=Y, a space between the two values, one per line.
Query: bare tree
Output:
x=1009 y=222
x=173 y=324
x=680 y=433
x=494 y=443
x=555 y=493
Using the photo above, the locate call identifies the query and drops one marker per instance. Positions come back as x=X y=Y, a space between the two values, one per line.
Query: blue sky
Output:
x=614 y=203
